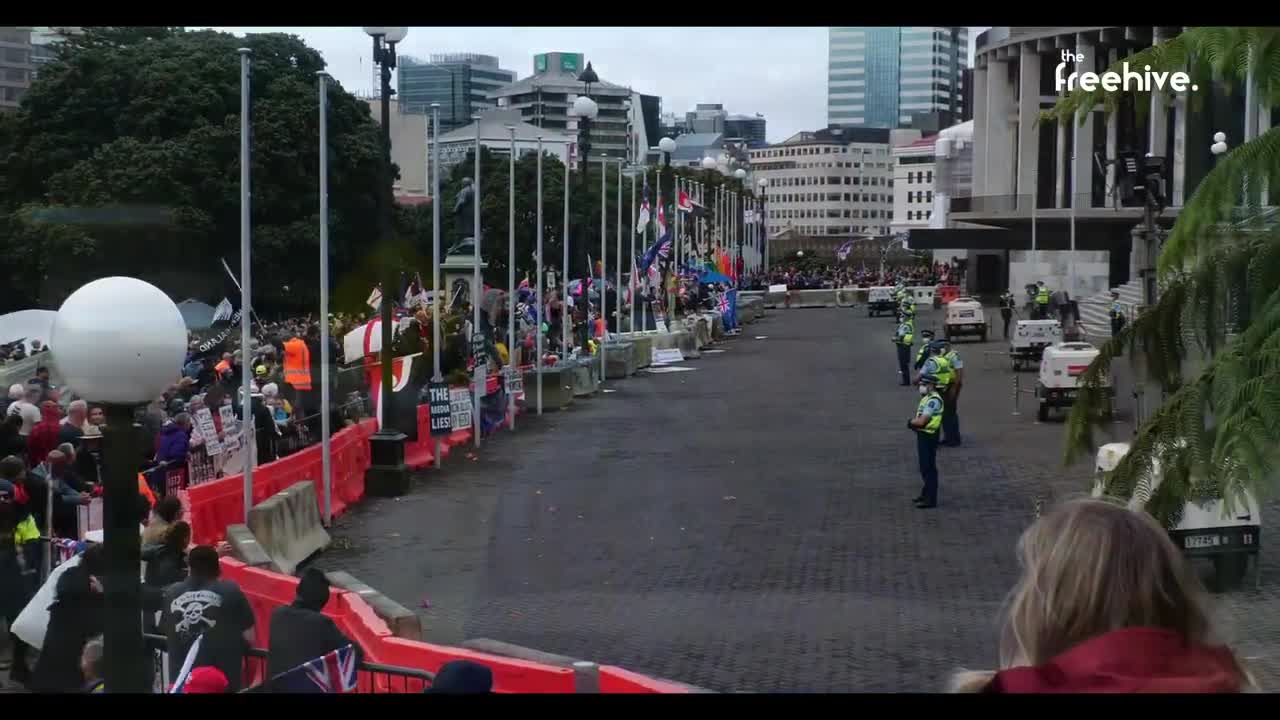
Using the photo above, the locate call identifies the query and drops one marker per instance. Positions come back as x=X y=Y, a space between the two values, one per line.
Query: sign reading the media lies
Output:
x=441 y=409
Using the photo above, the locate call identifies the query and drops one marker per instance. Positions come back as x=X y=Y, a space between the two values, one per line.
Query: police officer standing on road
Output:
x=902 y=340
x=1042 y=301
x=1006 y=310
x=1117 y=315
x=922 y=356
x=925 y=424
x=938 y=365
x=951 y=396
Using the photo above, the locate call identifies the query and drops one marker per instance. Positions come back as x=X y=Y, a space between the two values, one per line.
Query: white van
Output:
x=1030 y=338
x=1060 y=369
x=881 y=300
x=965 y=317
x=1209 y=530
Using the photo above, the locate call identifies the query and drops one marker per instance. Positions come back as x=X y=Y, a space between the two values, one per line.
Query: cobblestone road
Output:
x=746 y=526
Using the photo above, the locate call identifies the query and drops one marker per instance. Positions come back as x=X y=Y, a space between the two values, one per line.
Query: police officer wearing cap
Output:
x=925 y=424
x=938 y=365
x=922 y=355
x=902 y=341
x=951 y=396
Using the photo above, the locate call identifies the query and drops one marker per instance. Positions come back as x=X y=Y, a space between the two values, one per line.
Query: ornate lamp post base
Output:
x=387 y=475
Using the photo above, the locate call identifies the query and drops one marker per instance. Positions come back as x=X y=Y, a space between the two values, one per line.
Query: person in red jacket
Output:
x=1106 y=604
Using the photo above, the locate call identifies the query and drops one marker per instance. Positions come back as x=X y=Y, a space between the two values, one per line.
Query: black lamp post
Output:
x=586 y=109
x=387 y=474
x=764 y=224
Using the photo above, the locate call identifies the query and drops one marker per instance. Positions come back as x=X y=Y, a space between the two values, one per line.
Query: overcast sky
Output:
x=780 y=73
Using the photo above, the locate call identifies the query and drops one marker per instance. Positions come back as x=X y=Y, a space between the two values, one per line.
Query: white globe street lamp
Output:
x=392 y=35
x=1219 y=145
x=585 y=107
x=667 y=145
x=740 y=173
x=708 y=163
x=120 y=341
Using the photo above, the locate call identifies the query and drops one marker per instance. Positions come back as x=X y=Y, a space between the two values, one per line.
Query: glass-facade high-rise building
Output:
x=460 y=83
x=891 y=77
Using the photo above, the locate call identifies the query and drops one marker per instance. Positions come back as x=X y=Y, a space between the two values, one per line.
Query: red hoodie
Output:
x=1133 y=660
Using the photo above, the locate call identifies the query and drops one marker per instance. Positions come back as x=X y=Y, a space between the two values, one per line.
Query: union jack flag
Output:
x=334 y=672
x=724 y=302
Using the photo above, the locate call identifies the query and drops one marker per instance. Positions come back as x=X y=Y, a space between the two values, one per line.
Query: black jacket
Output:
x=75 y=616
x=299 y=635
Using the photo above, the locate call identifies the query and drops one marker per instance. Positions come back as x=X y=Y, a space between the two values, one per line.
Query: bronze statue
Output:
x=464 y=220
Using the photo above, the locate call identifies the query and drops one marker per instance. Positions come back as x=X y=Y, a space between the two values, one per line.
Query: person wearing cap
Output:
x=902 y=341
x=922 y=355
x=206 y=679
x=301 y=632
x=951 y=396
x=925 y=424
x=462 y=677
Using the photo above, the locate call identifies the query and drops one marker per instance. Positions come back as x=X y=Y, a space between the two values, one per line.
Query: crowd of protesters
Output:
x=831 y=276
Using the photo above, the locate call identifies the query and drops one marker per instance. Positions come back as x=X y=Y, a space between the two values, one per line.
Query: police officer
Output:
x=907 y=305
x=899 y=291
x=1117 y=315
x=1042 y=301
x=951 y=396
x=926 y=339
x=902 y=340
x=926 y=424
x=1006 y=310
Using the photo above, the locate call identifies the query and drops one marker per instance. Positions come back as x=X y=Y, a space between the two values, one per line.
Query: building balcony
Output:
x=997 y=209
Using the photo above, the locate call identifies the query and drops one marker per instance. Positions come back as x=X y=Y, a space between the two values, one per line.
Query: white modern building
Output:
x=495 y=134
x=1043 y=204
x=835 y=181
x=892 y=77
x=913 y=168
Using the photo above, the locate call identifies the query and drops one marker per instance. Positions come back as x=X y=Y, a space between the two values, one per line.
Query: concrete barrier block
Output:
x=402 y=622
x=584 y=384
x=246 y=548
x=688 y=344
x=663 y=341
x=703 y=331
x=717 y=327
x=620 y=360
x=813 y=298
x=641 y=350
x=557 y=388
x=287 y=525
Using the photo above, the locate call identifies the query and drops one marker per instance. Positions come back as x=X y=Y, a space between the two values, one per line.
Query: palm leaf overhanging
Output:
x=1211 y=342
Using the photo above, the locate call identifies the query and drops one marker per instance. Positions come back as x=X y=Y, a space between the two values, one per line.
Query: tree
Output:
x=1212 y=341
x=124 y=159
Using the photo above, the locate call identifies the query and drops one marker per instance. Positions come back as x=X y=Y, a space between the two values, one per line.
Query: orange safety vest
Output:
x=222 y=367
x=297 y=364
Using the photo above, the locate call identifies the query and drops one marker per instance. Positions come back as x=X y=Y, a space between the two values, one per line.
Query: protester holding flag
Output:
x=301 y=632
x=76 y=615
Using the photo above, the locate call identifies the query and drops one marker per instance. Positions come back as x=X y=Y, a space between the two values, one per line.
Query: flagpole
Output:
x=662 y=292
x=634 y=220
x=246 y=297
x=325 y=466
x=617 y=260
x=479 y=376
x=436 y=376
x=644 y=309
x=511 y=279
x=604 y=217
x=539 y=316
x=675 y=247
x=565 y=316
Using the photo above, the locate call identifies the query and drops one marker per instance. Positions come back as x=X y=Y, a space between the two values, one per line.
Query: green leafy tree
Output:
x=124 y=159
x=1211 y=342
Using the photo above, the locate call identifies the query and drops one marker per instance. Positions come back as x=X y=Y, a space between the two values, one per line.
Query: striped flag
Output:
x=642 y=221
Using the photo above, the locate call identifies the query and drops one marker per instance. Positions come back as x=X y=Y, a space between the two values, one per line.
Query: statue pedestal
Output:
x=459 y=267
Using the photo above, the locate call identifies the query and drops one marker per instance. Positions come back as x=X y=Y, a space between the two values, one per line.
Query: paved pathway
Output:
x=746 y=526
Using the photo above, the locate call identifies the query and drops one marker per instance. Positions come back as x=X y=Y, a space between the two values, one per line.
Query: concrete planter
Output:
x=717 y=327
x=584 y=378
x=688 y=344
x=557 y=387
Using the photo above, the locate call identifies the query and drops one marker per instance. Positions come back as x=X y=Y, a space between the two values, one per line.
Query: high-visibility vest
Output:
x=223 y=367
x=297 y=364
x=943 y=371
x=1042 y=296
x=906 y=332
x=935 y=420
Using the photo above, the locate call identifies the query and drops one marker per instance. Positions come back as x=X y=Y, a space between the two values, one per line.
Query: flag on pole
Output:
x=375 y=298
x=684 y=203
x=224 y=311
x=642 y=220
x=661 y=248
x=333 y=672
x=662 y=219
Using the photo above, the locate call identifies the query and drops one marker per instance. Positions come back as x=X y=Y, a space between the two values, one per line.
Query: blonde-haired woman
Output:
x=1106 y=603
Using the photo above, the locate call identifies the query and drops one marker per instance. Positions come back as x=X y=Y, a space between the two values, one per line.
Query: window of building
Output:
x=928 y=197
x=857 y=181
x=833 y=197
x=833 y=213
x=928 y=214
x=930 y=176
x=833 y=179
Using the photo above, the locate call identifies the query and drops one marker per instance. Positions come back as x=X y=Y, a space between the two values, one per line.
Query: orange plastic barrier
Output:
x=219 y=503
x=947 y=293
x=267 y=590
x=616 y=680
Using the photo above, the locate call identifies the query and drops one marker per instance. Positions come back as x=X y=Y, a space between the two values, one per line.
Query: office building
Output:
x=887 y=77
x=627 y=124
x=459 y=82
x=44 y=45
x=750 y=129
x=913 y=169
x=408 y=147
x=15 y=66
x=833 y=182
